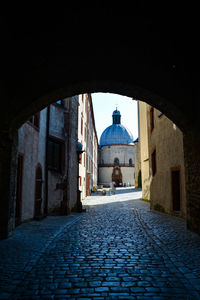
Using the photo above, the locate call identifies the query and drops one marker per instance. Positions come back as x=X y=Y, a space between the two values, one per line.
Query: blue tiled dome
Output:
x=116 y=133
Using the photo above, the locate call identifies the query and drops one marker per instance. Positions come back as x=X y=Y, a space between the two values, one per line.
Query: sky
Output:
x=105 y=103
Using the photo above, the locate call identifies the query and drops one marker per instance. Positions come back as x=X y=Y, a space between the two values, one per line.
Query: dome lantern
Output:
x=116 y=117
x=116 y=134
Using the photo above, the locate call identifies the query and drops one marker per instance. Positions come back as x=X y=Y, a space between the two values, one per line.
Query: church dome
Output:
x=116 y=133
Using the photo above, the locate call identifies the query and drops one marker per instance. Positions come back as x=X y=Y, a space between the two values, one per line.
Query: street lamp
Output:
x=79 y=151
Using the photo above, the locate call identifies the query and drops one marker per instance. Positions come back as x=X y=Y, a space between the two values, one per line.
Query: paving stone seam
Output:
x=149 y=232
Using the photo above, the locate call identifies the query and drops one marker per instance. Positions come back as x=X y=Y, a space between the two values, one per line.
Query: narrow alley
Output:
x=117 y=249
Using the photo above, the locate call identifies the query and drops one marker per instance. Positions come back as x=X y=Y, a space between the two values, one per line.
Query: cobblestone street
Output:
x=117 y=249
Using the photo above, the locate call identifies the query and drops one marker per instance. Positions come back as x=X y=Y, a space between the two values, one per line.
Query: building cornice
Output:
x=113 y=165
x=130 y=145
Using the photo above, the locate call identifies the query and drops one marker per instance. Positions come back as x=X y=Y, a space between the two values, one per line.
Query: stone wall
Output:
x=191 y=143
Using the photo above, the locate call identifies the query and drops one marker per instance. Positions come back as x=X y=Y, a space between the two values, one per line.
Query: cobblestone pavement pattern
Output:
x=118 y=249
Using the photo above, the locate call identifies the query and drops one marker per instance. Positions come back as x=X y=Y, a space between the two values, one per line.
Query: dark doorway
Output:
x=38 y=193
x=18 y=211
x=176 y=193
x=117 y=176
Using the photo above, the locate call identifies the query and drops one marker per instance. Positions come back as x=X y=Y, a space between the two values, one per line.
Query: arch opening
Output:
x=161 y=104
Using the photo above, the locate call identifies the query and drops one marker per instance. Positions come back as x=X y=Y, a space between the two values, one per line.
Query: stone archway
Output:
x=46 y=65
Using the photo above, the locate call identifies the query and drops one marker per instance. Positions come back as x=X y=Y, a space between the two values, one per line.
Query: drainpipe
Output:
x=46 y=162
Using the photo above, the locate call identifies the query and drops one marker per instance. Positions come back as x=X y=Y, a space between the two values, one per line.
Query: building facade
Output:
x=162 y=161
x=116 y=155
x=47 y=162
x=87 y=136
x=144 y=148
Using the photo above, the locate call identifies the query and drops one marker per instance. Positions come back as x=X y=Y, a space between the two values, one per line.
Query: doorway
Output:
x=117 y=176
x=176 y=190
x=18 y=211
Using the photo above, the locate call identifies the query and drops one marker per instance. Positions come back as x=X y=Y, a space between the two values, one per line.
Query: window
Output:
x=55 y=155
x=116 y=161
x=153 y=161
x=130 y=161
x=152 y=119
x=35 y=120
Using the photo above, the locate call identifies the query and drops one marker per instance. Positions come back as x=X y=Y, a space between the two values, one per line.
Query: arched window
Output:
x=130 y=161
x=116 y=161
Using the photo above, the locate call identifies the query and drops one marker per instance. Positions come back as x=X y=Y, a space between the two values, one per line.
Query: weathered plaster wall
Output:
x=167 y=138
x=144 y=148
x=31 y=143
x=123 y=152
